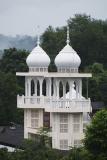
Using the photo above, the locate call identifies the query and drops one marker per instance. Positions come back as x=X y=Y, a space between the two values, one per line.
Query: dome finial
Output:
x=38 y=36
x=68 y=39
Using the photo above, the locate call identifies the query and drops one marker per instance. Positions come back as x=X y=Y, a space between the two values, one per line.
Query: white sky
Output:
x=23 y=16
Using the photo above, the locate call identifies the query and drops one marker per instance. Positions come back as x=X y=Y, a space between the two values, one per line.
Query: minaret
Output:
x=67 y=123
x=63 y=98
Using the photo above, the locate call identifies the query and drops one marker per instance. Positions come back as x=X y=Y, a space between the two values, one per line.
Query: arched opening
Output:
x=76 y=89
x=38 y=88
x=74 y=85
x=67 y=87
x=44 y=87
x=60 y=89
x=32 y=87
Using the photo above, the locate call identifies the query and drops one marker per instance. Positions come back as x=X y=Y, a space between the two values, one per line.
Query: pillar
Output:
x=77 y=89
x=57 y=89
x=64 y=89
x=70 y=89
x=35 y=87
x=50 y=87
x=26 y=86
x=29 y=87
x=40 y=82
x=80 y=88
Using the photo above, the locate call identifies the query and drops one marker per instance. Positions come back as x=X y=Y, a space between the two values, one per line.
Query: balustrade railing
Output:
x=37 y=101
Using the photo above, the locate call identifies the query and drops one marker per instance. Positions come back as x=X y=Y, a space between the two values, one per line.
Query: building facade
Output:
x=54 y=99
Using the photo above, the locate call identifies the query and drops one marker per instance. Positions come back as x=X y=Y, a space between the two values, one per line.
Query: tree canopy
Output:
x=96 y=135
x=88 y=37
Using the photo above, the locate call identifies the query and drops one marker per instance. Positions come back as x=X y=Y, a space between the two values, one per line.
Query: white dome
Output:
x=38 y=58
x=67 y=58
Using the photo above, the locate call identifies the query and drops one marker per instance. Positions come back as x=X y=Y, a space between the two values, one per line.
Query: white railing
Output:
x=52 y=103
x=70 y=103
x=23 y=102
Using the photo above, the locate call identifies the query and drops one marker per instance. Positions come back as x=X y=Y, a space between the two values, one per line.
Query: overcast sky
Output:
x=23 y=16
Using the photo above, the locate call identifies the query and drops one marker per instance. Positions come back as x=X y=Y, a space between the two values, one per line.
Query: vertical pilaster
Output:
x=80 y=88
x=50 y=87
x=70 y=89
x=54 y=88
x=57 y=88
x=40 y=82
x=26 y=88
x=35 y=87
x=76 y=89
x=29 y=87
x=64 y=89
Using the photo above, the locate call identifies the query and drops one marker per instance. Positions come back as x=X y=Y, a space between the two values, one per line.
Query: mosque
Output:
x=54 y=99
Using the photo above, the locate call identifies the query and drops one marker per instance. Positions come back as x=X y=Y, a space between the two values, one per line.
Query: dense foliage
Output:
x=96 y=135
x=34 y=151
x=88 y=37
x=13 y=60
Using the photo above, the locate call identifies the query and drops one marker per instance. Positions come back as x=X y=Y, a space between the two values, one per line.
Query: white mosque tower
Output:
x=60 y=104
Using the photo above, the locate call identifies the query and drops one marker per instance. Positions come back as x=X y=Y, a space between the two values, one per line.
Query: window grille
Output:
x=77 y=143
x=76 y=123
x=34 y=118
x=64 y=144
x=64 y=123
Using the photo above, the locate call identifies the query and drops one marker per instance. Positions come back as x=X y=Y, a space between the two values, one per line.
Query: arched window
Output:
x=74 y=85
x=60 y=89
x=44 y=87
x=32 y=87
x=38 y=88
x=67 y=87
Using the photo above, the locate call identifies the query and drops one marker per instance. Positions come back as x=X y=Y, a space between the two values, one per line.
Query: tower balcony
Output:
x=51 y=104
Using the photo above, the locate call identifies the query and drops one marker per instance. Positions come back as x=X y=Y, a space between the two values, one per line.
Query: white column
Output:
x=76 y=89
x=26 y=89
x=54 y=87
x=35 y=87
x=29 y=87
x=47 y=87
x=80 y=88
x=70 y=89
x=40 y=81
x=50 y=88
x=57 y=89
x=64 y=89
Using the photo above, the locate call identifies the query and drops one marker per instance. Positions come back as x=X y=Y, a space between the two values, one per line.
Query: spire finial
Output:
x=38 y=36
x=68 y=39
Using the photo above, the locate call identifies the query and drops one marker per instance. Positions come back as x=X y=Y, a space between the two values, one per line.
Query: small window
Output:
x=77 y=143
x=76 y=123
x=63 y=128
x=76 y=127
x=64 y=144
x=63 y=123
x=64 y=118
x=34 y=119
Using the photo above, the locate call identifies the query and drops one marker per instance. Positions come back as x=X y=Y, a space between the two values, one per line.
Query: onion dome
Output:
x=67 y=60
x=38 y=60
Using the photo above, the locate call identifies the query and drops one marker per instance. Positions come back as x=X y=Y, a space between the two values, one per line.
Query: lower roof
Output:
x=54 y=74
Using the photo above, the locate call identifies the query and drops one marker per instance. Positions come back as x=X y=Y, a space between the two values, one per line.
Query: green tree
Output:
x=4 y=154
x=98 y=82
x=88 y=37
x=96 y=135
x=13 y=60
x=8 y=91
